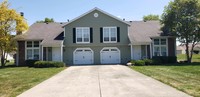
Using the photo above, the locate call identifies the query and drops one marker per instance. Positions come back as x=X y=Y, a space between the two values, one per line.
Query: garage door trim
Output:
x=83 y=49
x=109 y=50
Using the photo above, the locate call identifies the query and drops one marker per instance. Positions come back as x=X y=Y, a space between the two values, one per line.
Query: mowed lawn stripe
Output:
x=15 y=80
x=184 y=78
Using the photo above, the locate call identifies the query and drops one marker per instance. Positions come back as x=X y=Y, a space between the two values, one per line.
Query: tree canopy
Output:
x=150 y=17
x=181 y=18
x=46 y=20
x=10 y=21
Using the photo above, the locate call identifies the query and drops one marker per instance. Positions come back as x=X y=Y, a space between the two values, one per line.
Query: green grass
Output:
x=15 y=80
x=185 y=78
x=195 y=58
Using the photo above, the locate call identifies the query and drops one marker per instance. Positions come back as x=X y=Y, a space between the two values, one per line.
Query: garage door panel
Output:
x=110 y=56
x=83 y=56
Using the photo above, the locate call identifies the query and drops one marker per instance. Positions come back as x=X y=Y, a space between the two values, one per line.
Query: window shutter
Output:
x=74 y=35
x=101 y=35
x=118 y=34
x=91 y=35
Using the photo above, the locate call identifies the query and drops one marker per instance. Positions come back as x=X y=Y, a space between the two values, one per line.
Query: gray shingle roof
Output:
x=46 y=32
x=141 y=32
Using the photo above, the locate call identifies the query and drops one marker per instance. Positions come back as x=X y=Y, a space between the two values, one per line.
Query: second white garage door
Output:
x=83 y=56
x=110 y=56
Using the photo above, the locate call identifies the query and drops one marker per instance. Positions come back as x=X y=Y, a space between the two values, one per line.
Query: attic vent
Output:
x=124 y=19
x=67 y=20
x=61 y=23
x=130 y=21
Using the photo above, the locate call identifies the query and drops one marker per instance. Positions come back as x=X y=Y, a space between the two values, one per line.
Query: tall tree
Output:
x=10 y=21
x=46 y=20
x=150 y=17
x=181 y=18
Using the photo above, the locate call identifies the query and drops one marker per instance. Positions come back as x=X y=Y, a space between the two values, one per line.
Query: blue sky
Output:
x=61 y=10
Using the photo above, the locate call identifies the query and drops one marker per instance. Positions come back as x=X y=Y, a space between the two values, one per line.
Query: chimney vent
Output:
x=124 y=19
x=22 y=14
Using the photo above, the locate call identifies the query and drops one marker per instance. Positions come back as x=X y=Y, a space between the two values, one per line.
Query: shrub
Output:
x=132 y=62
x=45 y=64
x=148 y=61
x=139 y=63
x=30 y=63
x=172 y=59
x=164 y=59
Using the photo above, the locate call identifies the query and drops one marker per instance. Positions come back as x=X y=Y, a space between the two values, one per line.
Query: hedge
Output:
x=30 y=63
x=44 y=64
x=139 y=63
x=164 y=59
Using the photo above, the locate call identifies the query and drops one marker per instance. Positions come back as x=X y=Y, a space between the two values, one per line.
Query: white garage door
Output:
x=110 y=56
x=83 y=56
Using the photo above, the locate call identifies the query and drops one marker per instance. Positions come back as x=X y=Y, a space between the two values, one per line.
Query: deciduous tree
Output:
x=46 y=20
x=181 y=18
x=150 y=17
x=10 y=21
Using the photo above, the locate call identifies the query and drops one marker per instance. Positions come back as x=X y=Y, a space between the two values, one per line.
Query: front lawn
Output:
x=185 y=78
x=15 y=80
x=195 y=58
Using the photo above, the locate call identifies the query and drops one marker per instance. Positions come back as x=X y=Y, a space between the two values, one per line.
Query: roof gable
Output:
x=116 y=18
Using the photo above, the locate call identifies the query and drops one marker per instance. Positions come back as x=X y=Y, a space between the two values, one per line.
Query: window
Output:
x=110 y=34
x=160 y=47
x=82 y=35
x=32 y=50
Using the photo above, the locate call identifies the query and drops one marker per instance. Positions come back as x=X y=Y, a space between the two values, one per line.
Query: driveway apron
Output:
x=101 y=81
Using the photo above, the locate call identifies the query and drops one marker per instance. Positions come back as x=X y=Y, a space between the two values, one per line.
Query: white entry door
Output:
x=83 y=56
x=56 y=54
x=137 y=52
x=110 y=56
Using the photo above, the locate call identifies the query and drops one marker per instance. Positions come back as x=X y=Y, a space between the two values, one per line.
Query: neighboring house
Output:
x=95 y=37
x=9 y=56
x=181 y=49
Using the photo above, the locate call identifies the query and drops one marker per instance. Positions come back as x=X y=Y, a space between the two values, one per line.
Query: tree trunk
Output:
x=2 y=61
x=187 y=53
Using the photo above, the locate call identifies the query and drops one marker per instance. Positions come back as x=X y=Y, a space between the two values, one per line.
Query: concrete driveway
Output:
x=101 y=81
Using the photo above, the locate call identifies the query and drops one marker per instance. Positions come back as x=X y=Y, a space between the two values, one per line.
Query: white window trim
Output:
x=161 y=46
x=110 y=35
x=82 y=35
x=32 y=48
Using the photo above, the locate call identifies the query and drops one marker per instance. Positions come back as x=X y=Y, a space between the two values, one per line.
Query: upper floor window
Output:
x=109 y=34
x=32 y=50
x=160 y=47
x=82 y=35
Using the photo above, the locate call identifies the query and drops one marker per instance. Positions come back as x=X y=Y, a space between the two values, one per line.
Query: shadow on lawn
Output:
x=11 y=66
x=182 y=64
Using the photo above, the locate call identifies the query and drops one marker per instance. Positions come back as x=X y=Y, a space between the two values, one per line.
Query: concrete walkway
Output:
x=101 y=81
